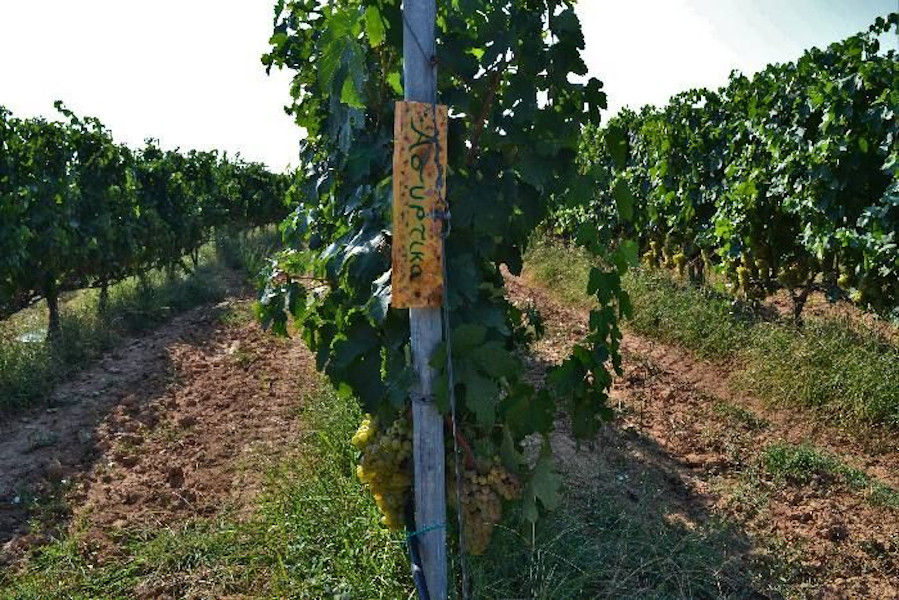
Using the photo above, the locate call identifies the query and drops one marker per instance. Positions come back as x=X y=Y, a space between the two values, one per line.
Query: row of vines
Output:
x=79 y=210
x=785 y=180
x=506 y=70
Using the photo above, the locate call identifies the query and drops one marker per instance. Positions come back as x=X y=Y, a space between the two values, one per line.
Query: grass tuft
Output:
x=741 y=415
x=615 y=547
x=805 y=464
x=699 y=318
x=849 y=375
x=562 y=268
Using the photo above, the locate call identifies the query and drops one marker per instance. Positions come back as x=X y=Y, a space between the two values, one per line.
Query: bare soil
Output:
x=676 y=424
x=163 y=429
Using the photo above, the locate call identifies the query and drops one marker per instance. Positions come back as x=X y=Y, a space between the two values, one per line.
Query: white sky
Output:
x=185 y=71
x=188 y=71
x=646 y=51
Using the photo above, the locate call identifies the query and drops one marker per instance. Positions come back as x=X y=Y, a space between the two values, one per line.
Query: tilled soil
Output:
x=681 y=419
x=161 y=430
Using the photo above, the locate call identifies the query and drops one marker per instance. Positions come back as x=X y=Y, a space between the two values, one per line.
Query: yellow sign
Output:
x=419 y=193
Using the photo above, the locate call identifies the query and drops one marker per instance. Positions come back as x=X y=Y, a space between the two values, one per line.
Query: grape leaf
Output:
x=374 y=26
x=543 y=487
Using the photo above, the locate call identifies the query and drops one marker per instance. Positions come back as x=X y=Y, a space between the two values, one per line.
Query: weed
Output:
x=740 y=415
x=804 y=464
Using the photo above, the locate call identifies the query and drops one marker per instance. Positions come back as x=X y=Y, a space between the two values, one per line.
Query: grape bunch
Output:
x=483 y=492
x=385 y=466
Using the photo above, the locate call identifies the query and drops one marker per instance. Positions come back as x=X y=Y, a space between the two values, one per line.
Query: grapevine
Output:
x=787 y=179
x=78 y=210
x=506 y=70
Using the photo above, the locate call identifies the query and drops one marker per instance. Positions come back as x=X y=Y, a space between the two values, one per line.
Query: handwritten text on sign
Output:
x=419 y=189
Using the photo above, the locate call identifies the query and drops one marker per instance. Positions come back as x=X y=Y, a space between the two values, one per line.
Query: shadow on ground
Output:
x=630 y=525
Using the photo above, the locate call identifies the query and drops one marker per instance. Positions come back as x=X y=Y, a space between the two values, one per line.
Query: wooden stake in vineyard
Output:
x=417 y=278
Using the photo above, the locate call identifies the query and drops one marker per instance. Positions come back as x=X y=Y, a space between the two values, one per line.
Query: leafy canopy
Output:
x=506 y=70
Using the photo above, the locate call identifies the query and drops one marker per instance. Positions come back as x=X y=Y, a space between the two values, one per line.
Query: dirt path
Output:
x=161 y=430
x=680 y=421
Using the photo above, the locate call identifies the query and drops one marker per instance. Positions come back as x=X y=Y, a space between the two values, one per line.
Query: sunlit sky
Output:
x=188 y=72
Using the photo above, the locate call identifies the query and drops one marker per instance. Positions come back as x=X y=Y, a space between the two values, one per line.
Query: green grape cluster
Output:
x=385 y=466
x=483 y=492
x=764 y=269
x=653 y=256
x=793 y=275
x=845 y=280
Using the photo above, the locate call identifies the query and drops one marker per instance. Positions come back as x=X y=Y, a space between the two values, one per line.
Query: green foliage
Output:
x=78 y=210
x=788 y=179
x=514 y=126
x=31 y=366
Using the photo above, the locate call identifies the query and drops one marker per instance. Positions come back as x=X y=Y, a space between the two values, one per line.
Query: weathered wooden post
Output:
x=425 y=322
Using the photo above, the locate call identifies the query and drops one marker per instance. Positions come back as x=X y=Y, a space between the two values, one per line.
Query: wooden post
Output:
x=425 y=323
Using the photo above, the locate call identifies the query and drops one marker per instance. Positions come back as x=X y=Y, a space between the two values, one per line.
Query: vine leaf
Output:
x=394 y=80
x=601 y=282
x=616 y=145
x=342 y=65
x=494 y=360
x=466 y=337
x=527 y=412
x=624 y=200
x=543 y=486
x=360 y=338
x=627 y=254
x=379 y=304
x=480 y=396
x=374 y=26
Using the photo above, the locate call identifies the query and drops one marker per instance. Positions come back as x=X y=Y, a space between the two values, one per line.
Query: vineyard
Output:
x=786 y=179
x=542 y=353
x=78 y=210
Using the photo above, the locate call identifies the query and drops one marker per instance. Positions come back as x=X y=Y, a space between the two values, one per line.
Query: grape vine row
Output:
x=787 y=179
x=79 y=210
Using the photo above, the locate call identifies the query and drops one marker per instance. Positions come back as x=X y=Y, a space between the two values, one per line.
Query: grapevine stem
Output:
x=463 y=443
